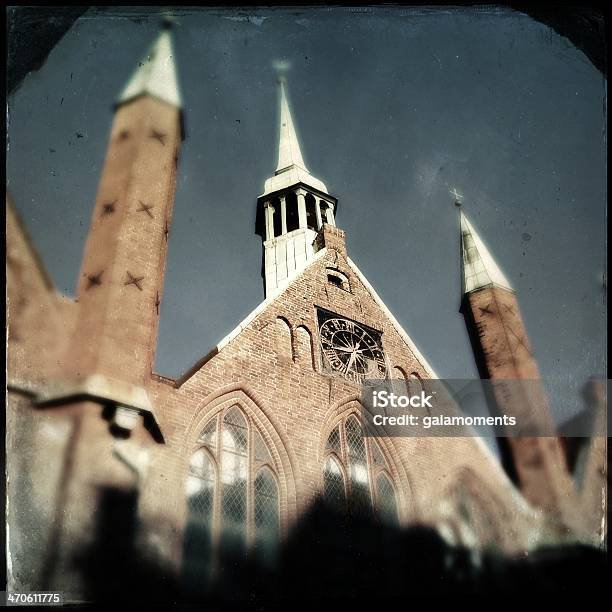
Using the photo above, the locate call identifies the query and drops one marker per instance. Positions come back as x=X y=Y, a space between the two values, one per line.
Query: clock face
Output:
x=351 y=349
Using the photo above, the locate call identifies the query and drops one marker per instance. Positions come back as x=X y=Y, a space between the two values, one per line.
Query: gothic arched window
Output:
x=267 y=525
x=385 y=495
x=232 y=496
x=334 y=490
x=368 y=484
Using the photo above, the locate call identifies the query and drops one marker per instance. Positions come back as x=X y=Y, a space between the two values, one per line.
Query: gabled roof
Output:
x=270 y=300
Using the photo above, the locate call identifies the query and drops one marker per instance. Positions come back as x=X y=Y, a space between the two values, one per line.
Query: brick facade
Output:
x=70 y=450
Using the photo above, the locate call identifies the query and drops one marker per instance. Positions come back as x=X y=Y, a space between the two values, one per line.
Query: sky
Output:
x=394 y=107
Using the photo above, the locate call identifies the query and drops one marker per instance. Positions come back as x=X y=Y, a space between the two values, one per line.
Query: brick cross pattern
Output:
x=108 y=208
x=519 y=341
x=134 y=280
x=94 y=280
x=145 y=208
x=159 y=136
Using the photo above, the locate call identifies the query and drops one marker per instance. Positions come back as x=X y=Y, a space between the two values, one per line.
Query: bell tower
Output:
x=120 y=284
x=292 y=209
x=503 y=352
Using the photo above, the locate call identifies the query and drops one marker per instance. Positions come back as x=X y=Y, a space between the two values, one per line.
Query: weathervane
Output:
x=458 y=197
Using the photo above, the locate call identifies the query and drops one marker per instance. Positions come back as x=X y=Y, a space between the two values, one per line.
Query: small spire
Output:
x=478 y=266
x=156 y=72
x=289 y=153
x=291 y=168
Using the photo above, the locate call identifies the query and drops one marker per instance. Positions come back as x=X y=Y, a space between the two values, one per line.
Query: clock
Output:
x=351 y=349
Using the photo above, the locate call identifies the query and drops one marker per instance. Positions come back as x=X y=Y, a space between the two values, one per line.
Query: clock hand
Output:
x=344 y=341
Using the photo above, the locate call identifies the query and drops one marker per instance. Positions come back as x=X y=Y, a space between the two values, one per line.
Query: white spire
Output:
x=479 y=267
x=289 y=153
x=291 y=168
x=156 y=74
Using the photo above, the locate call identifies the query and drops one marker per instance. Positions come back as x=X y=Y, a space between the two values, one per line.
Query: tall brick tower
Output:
x=502 y=352
x=122 y=272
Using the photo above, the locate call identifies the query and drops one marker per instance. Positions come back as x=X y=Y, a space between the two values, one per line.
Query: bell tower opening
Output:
x=311 y=213
x=293 y=221
x=277 y=220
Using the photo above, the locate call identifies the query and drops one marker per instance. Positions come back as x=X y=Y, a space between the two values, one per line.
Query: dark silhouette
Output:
x=328 y=556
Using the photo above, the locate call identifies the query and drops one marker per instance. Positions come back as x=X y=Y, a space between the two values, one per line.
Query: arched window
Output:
x=267 y=526
x=304 y=352
x=201 y=480
x=368 y=483
x=232 y=497
x=399 y=376
x=358 y=466
x=415 y=383
x=283 y=342
x=385 y=495
x=334 y=491
x=234 y=472
x=415 y=386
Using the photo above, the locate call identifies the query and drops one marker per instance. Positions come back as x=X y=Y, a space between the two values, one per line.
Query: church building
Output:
x=233 y=453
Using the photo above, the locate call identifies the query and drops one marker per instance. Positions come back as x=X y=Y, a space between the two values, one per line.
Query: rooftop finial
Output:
x=457 y=197
x=168 y=21
x=281 y=68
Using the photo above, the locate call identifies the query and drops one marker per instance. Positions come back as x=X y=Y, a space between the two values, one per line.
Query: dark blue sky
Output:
x=394 y=107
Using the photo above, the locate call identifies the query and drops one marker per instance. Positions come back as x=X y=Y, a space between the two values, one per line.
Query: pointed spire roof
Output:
x=478 y=266
x=289 y=153
x=291 y=168
x=156 y=73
